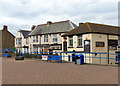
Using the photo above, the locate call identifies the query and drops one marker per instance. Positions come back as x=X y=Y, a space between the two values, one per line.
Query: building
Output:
x=6 y=39
x=95 y=38
x=48 y=37
x=22 y=41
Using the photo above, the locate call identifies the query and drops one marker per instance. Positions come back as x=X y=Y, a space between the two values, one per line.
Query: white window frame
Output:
x=71 y=39
x=80 y=38
x=19 y=41
x=45 y=38
x=55 y=38
x=27 y=41
x=35 y=39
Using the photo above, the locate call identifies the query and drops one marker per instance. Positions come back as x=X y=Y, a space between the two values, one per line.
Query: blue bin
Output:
x=6 y=55
x=79 y=59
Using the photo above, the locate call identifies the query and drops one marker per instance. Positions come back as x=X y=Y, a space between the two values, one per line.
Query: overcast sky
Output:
x=22 y=14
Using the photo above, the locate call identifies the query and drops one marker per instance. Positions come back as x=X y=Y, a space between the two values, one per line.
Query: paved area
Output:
x=40 y=72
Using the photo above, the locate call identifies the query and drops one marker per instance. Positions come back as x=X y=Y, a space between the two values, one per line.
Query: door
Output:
x=65 y=46
x=87 y=45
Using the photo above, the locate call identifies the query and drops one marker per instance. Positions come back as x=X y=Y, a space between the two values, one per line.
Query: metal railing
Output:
x=92 y=58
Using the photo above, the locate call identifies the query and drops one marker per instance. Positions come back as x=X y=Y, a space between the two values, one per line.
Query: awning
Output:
x=25 y=46
x=42 y=45
x=56 y=45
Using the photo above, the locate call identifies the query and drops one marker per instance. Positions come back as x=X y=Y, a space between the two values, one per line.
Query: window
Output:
x=45 y=38
x=35 y=39
x=55 y=38
x=19 y=41
x=119 y=42
x=57 y=48
x=27 y=41
x=71 y=41
x=35 y=49
x=79 y=40
x=100 y=44
x=113 y=44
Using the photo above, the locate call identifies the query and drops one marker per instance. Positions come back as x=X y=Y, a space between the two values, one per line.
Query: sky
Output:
x=22 y=14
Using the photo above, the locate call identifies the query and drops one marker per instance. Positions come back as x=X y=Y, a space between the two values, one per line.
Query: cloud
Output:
x=24 y=13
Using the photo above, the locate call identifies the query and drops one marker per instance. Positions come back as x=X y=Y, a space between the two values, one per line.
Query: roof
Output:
x=1 y=32
x=94 y=28
x=25 y=33
x=55 y=27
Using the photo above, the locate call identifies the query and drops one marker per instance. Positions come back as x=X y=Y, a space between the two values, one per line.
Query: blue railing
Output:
x=87 y=55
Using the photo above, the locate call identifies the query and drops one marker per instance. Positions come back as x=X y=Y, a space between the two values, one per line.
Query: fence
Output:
x=92 y=58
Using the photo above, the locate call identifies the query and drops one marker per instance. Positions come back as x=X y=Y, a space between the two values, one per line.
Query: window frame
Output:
x=111 y=45
x=71 y=41
x=45 y=38
x=27 y=41
x=100 y=44
x=35 y=39
x=55 y=38
x=80 y=40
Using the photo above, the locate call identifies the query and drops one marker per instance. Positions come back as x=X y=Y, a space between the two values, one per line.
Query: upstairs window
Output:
x=80 y=41
x=27 y=41
x=35 y=39
x=19 y=41
x=45 y=38
x=55 y=38
x=71 y=41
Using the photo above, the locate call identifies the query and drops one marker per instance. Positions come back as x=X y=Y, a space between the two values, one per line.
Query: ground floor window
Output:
x=100 y=44
x=25 y=50
x=35 y=49
x=112 y=44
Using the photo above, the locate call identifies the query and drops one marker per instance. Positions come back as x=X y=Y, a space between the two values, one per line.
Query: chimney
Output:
x=33 y=27
x=5 y=27
x=80 y=23
x=49 y=22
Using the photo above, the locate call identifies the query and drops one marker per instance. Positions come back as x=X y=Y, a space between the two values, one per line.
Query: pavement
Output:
x=30 y=71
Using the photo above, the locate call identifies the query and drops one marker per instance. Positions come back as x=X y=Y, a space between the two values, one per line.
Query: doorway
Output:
x=87 y=45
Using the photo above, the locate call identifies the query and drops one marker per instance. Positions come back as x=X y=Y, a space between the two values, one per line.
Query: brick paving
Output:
x=40 y=72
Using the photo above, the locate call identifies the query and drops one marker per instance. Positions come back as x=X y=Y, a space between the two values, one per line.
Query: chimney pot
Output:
x=80 y=23
x=49 y=22
x=5 y=27
x=33 y=27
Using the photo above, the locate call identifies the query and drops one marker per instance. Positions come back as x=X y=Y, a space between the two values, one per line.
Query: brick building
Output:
x=6 y=38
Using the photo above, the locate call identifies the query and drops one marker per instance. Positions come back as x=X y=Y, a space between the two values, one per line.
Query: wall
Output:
x=75 y=42
x=7 y=40
x=41 y=41
x=0 y=43
x=19 y=35
x=93 y=39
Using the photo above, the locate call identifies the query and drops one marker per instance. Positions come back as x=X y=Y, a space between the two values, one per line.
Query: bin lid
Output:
x=79 y=55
